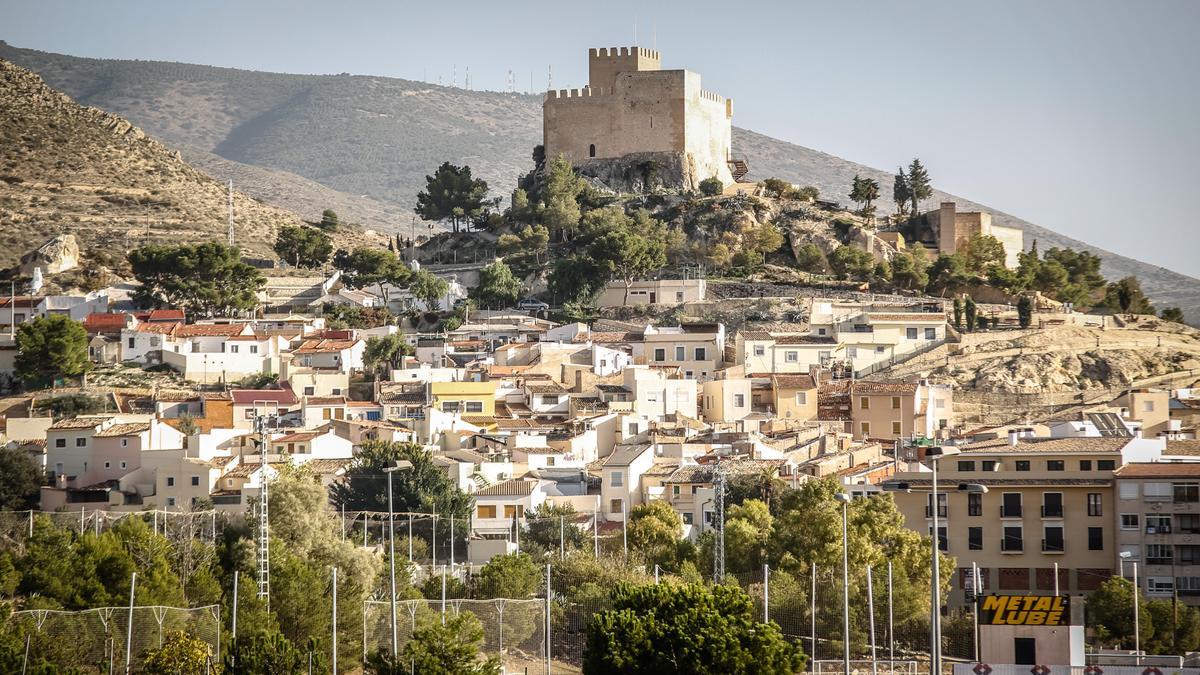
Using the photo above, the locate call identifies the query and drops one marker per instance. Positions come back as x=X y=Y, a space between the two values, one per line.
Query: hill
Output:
x=371 y=140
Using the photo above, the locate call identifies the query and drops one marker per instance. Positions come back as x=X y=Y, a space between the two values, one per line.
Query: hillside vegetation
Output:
x=373 y=139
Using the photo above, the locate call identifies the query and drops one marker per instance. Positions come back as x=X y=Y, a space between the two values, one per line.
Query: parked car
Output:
x=532 y=305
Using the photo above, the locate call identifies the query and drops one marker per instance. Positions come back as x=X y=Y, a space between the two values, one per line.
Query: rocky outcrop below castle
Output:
x=642 y=173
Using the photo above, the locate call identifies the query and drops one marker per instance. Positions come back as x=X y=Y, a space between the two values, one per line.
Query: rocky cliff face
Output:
x=642 y=173
x=1068 y=371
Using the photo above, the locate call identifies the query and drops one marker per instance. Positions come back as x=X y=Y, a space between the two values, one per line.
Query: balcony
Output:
x=1158 y=529
x=1052 y=546
x=1159 y=561
x=941 y=511
x=1008 y=545
x=1055 y=511
x=1010 y=511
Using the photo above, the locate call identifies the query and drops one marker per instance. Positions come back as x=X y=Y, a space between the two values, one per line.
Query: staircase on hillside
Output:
x=739 y=168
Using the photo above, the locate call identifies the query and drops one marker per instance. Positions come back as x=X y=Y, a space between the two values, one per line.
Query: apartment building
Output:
x=726 y=400
x=794 y=397
x=785 y=353
x=1157 y=520
x=889 y=411
x=1049 y=500
x=696 y=349
x=653 y=292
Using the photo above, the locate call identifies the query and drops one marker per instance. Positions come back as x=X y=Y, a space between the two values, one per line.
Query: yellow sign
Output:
x=1025 y=610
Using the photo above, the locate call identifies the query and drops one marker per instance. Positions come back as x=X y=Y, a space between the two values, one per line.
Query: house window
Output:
x=447 y=406
x=250 y=414
x=81 y=442
x=124 y=442
x=131 y=342
x=1052 y=505
x=60 y=442
x=687 y=518
x=864 y=403
x=1095 y=504
x=549 y=460
x=195 y=481
x=943 y=540
x=592 y=148
x=124 y=465
x=1055 y=465
x=1130 y=521
x=680 y=353
x=674 y=490
x=701 y=354
x=170 y=501
x=930 y=333
x=966 y=465
x=801 y=398
x=1128 y=490
x=617 y=479
x=759 y=350
x=474 y=406
x=678 y=296
x=660 y=354
x=941 y=502
x=820 y=331
x=895 y=403
x=550 y=399
x=852 y=353
x=1095 y=538
x=1189 y=523
x=335 y=391
x=1010 y=506
x=170 y=481
x=233 y=349
x=1022 y=465
x=1147 y=406
x=1013 y=539
x=739 y=400
x=989 y=465
x=1158 y=554
x=310 y=391
x=975 y=538
x=1052 y=539
x=614 y=506
x=910 y=333
x=791 y=357
x=1187 y=493
x=488 y=511
x=896 y=429
x=865 y=428
x=1106 y=464
x=974 y=504
x=253 y=349
x=1085 y=465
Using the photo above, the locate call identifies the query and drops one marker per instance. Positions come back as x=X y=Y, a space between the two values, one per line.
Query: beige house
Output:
x=1049 y=500
x=653 y=292
x=889 y=411
x=1157 y=518
x=656 y=394
x=794 y=397
x=726 y=400
x=765 y=352
x=1151 y=407
x=696 y=349
x=621 y=479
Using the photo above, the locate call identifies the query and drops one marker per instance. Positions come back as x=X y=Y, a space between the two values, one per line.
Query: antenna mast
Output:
x=264 y=531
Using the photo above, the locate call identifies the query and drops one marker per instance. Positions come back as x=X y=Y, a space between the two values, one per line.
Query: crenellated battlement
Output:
x=609 y=52
x=586 y=92
x=711 y=96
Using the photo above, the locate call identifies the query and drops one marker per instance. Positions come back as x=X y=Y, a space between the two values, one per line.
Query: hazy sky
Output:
x=1080 y=116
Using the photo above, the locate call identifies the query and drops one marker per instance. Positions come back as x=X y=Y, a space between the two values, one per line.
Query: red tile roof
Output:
x=103 y=322
x=210 y=330
x=160 y=315
x=251 y=396
x=324 y=346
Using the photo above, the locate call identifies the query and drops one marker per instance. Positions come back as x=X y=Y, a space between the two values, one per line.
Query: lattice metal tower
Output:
x=264 y=530
x=719 y=518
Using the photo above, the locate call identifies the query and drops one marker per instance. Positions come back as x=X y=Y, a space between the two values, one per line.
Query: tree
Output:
x=653 y=532
x=808 y=193
x=851 y=262
x=264 y=653
x=576 y=279
x=513 y=576
x=909 y=272
x=1126 y=295
x=809 y=258
x=451 y=193
x=958 y=312
x=20 y=480
x=779 y=188
x=329 y=220
x=366 y=266
x=971 y=312
x=560 y=198
x=429 y=289
x=497 y=285
x=865 y=191
x=548 y=524
x=982 y=251
x=388 y=350
x=1172 y=314
x=207 y=279
x=303 y=246
x=711 y=187
x=1110 y=613
x=529 y=242
x=1025 y=311
x=49 y=347
x=422 y=489
x=673 y=629
x=900 y=192
x=452 y=648
x=624 y=255
x=919 y=187
x=179 y=653
x=749 y=527
x=949 y=273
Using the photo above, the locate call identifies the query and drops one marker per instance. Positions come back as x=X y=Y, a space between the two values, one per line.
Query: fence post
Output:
x=595 y=531
x=334 y=661
x=812 y=610
x=235 y=602
x=31 y=522
x=547 y=618
x=443 y=595
x=766 y=593
x=410 y=538
x=129 y=628
x=871 y=614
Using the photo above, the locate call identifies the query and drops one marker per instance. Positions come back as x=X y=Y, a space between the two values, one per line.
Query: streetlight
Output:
x=392 y=467
x=1137 y=637
x=845 y=500
x=934 y=454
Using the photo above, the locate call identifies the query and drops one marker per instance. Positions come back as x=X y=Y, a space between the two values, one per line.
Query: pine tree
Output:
x=900 y=192
x=919 y=187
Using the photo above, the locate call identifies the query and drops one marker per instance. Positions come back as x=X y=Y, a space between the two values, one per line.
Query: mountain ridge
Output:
x=370 y=140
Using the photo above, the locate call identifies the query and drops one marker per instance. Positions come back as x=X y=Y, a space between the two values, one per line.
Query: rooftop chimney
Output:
x=1013 y=435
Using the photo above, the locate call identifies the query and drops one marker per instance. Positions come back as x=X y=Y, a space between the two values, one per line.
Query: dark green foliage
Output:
x=509 y=576
x=421 y=489
x=543 y=531
x=1126 y=296
x=983 y=251
x=971 y=313
x=353 y=316
x=865 y=191
x=435 y=649
x=666 y=629
x=910 y=271
x=851 y=262
x=386 y=350
x=179 y=653
x=900 y=192
x=1025 y=311
x=369 y=266
x=329 y=220
x=72 y=404
x=429 y=289
x=778 y=188
x=919 y=186
x=808 y=193
x=949 y=273
x=1109 y=611
x=958 y=312
x=654 y=534
x=497 y=286
x=20 y=480
x=1172 y=314
x=266 y=654
x=303 y=246
x=711 y=187
x=50 y=347
x=451 y=193
x=809 y=258
x=202 y=279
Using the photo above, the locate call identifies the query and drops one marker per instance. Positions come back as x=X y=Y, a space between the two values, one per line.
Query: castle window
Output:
x=592 y=150
x=652 y=121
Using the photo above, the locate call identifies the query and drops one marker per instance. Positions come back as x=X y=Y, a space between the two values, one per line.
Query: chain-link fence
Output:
x=100 y=638
x=17 y=526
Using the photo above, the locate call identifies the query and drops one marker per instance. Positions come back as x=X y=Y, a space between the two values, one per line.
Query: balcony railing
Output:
x=1010 y=511
x=1052 y=546
x=1012 y=545
x=941 y=511
x=1158 y=529
x=1158 y=561
x=1052 y=511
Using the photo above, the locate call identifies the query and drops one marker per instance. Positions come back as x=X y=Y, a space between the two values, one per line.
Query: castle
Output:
x=632 y=106
x=955 y=228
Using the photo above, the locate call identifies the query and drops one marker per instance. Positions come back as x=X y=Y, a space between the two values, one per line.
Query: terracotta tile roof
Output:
x=545 y=388
x=1015 y=482
x=172 y=315
x=526 y=424
x=362 y=404
x=296 y=437
x=794 y=381
x=509 y=488
x=607 y=337
x=703 y=473
x=894 y=388
x=1050 y=445
x=907 y=316
x=1159 y=470
x=78 y=423
x=158 y=328
x=126 y=429
x=1183 y=447
x=210 y=330
x=327 y=466
x=325 y=400
x=502 y=371
x=804 y=340
x=324 y=346
x=103 y=322
x=251 y=396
